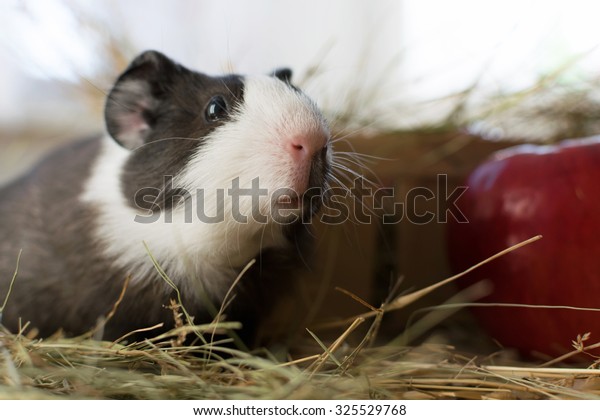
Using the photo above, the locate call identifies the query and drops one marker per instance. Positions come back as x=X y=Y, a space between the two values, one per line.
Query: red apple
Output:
x=519 y=193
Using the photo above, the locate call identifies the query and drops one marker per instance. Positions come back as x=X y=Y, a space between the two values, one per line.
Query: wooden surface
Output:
x=366 y=258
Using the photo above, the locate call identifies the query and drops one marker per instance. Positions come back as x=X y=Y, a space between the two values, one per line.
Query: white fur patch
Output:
x=178 y=247
x=201 y=254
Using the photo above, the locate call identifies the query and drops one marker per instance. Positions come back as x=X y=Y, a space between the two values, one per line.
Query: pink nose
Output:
x=304 y=147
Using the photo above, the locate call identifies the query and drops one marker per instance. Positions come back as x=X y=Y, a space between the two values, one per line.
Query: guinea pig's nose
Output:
x=305 y=147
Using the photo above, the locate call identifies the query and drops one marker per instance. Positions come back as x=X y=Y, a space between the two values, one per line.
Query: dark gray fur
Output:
x=172 y=100
x=64 y=282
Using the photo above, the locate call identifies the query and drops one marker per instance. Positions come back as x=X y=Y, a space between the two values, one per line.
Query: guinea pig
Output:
x=195 y=177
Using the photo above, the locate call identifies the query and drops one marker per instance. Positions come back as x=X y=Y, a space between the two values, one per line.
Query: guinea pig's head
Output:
x=255 y=146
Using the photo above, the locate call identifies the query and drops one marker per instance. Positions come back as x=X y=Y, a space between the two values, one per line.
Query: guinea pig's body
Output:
x=186 y=157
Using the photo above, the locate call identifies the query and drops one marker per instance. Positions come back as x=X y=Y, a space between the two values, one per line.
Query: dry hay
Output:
x=164 y=368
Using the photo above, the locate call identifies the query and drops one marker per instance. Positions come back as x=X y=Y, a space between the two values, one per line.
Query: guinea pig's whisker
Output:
x=351 y=133
x=356 y=158
x=239 y=242
x=357 y=175
x=350 y=161
x=365 y=168
x=158 y=196
x=338 y=181
x=166 y=139
x=362 y=157
x=262 y=238
x=228 y=88
x=349 y=180
x=345 y=162
x=299 y=252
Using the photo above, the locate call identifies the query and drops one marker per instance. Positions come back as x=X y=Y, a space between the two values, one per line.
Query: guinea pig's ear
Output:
x=284 y=74
x=132 y=104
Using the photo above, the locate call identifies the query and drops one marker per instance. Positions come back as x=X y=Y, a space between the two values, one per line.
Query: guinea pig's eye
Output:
x=216 y=109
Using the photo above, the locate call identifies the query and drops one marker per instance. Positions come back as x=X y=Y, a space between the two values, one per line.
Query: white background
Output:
x=380 y=55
